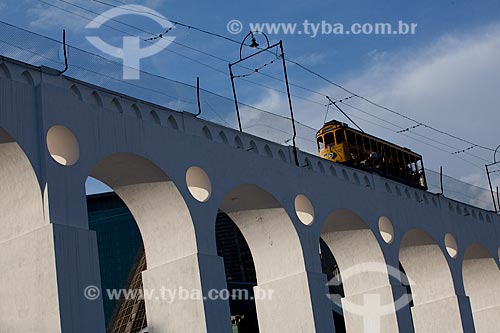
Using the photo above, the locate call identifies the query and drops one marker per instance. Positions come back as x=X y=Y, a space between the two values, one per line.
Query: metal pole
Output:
x=198 y=95
x=65 y=54
x=345 y=114
x=290 y=104
x=491 y=188
x=441 y=179
x=498 y=199
x=235 y=98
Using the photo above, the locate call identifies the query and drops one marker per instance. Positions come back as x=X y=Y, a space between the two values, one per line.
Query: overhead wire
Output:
x=223 y=72
x=289 y=60
x=329 y=81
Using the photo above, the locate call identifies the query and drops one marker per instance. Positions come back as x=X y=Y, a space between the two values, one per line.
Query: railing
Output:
x=37 y=50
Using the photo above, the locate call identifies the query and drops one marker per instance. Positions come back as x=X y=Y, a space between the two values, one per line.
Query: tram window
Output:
x=329 y=139
x=321 y=145
x=359 y=141
x=340 y=136
x=366 y=143
x=382 y=151
x=350 y=138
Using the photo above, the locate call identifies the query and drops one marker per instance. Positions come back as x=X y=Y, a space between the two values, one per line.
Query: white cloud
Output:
x=312 y=58
x=452 y=84
x=45 y=17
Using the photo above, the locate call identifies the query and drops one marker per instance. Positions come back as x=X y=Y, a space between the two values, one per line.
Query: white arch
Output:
x=278 y=258
x=268 y=231
x=436 y=307
x=356 y=249
x=21 y=201
x=481 y=277
x=168 y=234
x=28 y=280
x=157 y=206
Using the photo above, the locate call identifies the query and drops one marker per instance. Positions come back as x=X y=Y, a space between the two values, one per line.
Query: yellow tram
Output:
x=338 y=142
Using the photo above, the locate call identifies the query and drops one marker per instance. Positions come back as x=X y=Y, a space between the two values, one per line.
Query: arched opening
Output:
x=482 y=284
x=206 y=133
x=330 y=268
x=120 y=251
x=118 y=106
x=97 y=99
x=361 y=274
x=435 y=306
x=240 y=273
x=172 y=123
x=27 y=281
x=277 y=255
x=154 y=117
x=142 y=229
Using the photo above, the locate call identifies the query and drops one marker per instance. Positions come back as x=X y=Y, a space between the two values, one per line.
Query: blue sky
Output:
x=445 y=75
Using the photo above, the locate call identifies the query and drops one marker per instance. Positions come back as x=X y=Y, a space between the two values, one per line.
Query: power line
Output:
x=334 y=84
x=130 y=83
x=258 y=69
x=180 y=44
x=419 y=123
x=388 y=109
x=403 y=130
x=176 y=98
x=292 y=61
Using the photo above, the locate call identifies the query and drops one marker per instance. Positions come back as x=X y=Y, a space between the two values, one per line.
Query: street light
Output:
x=489 y=180
x=255 y=45
x=495 y=154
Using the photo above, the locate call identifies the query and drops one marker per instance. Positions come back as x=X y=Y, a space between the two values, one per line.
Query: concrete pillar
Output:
x=442 y=315
x=481 y=278
x=437 y=308
x=370 y=311
x=46 y=265
x=185 y=296
x=299 y=302
x=78 y=279
x=296 y=303
x=181 y=268
x=368 y=304
x=51 y=282
x=44 y=281
x=403 y=310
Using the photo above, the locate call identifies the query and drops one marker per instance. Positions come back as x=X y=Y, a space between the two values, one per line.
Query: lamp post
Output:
x=489 y=179
x=255 y=45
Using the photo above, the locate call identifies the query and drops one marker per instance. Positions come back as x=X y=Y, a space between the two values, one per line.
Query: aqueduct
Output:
x=174 y=172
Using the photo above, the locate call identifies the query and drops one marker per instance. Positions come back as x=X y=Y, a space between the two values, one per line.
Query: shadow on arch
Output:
x=481 y=277
x=27 y=283
x=435 y=305
x=156 y=204
x=354 y=263
x=267 y=229
x=277 y=256
x=21 y=202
